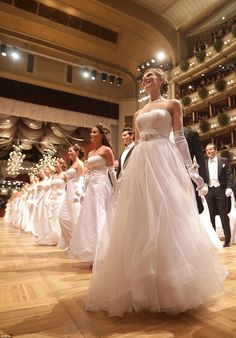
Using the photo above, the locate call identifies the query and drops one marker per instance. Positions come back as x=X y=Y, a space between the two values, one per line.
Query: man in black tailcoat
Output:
x=128 y=140
x=220 y=184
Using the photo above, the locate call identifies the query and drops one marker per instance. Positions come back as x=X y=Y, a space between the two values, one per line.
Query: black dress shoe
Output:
x=226 y=245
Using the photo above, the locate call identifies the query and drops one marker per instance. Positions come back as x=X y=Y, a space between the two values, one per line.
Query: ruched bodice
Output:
x=96 y=162
x=58 y=185
x=157 y=121
x=71 y=173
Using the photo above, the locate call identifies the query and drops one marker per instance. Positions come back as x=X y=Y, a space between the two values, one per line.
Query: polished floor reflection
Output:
x=42 y=294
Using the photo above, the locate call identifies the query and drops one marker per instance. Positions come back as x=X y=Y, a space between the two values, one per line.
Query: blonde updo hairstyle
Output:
x=159 y=73
x=62 y=162
x=105 y=132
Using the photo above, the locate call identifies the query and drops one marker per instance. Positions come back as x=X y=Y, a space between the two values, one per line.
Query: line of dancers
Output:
x=142 y=234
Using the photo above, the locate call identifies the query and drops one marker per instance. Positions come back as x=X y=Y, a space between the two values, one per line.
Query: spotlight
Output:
x=85 y=73
x=148 y=63
x=138 y=69
x=119 y=81
x=143 y=67
x=3 y=49
x=104 y=77
x=15 y=54
x=111 y=78
x=153 y=60
x=161 y=56
x=93 y=74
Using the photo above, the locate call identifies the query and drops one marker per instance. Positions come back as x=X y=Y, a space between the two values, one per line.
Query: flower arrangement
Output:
x=218 y=44
x=223 y=119
x=201 y=55
x=184 y=65
x=203 y=92
x=220 y=85
x=204 y=126
x=186 y=101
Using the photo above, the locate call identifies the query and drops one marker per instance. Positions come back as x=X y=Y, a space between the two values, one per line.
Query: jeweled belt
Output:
x=151 y=136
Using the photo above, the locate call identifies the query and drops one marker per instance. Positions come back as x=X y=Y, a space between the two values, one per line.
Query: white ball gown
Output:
x=94 y=210
x=54 y=203
x=70 y=209
x=158 y=257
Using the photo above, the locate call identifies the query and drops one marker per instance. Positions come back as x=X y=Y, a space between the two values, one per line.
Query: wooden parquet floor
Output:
x=42 y=294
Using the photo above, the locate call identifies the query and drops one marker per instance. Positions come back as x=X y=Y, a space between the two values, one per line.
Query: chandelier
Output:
x=14 y=163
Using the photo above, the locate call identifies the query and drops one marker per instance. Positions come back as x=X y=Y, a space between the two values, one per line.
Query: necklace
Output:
x=158 y=99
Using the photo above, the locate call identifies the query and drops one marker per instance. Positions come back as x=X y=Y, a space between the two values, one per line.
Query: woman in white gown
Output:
x=97 y=197
x=54 y=203
x=158 y=256
x=71 y=205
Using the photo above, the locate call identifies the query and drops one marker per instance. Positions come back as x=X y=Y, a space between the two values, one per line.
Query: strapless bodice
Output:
x=58 y=184
x=155 y=122
x=71 y=173
x=96 y=162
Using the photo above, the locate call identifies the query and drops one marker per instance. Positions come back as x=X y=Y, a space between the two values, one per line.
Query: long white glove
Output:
x=182 y=146
x=112 y=174
x=80 y=192
x=203 y=191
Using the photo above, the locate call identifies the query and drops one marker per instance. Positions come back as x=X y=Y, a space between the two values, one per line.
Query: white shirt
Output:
x=124 y=154
x=213 y=172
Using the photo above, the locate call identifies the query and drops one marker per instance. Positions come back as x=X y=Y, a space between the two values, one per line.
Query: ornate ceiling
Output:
x=143 y=27
x=181 y=13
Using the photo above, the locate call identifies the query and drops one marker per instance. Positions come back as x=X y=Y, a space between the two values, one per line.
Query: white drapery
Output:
x=49 y=114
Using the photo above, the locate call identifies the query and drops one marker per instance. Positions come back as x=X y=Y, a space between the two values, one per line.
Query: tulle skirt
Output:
x=155 y=254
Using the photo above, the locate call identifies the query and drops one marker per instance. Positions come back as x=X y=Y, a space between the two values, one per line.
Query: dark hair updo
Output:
x=105 y=132
x=78 y=149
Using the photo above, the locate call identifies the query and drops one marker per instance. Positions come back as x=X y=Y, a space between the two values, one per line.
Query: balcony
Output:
x=215 y=127
x=214 y=95
x=212 y=59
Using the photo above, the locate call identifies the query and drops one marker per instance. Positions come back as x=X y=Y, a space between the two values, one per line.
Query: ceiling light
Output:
x=85 y=73
x=119 y=81
x=3 y=49
x=111 y=78
x=104 y=77
x=153 y=60
x=15 y=54
x=148 y=64
x=138 y=69
x=223 y=18
x=161 y=56
x=94 y=74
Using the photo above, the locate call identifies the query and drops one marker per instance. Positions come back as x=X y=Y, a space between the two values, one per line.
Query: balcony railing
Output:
x=212 y=56
x=214 y=124
x=213 y=93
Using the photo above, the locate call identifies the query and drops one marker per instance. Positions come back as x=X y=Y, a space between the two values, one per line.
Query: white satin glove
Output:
x=203 y=191
x=76 y=197
x=182 y=146
x=112 y=174
x=228 y=192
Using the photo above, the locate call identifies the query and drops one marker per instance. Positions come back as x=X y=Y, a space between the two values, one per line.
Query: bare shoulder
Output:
x=175 y=103
x=106 y=149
